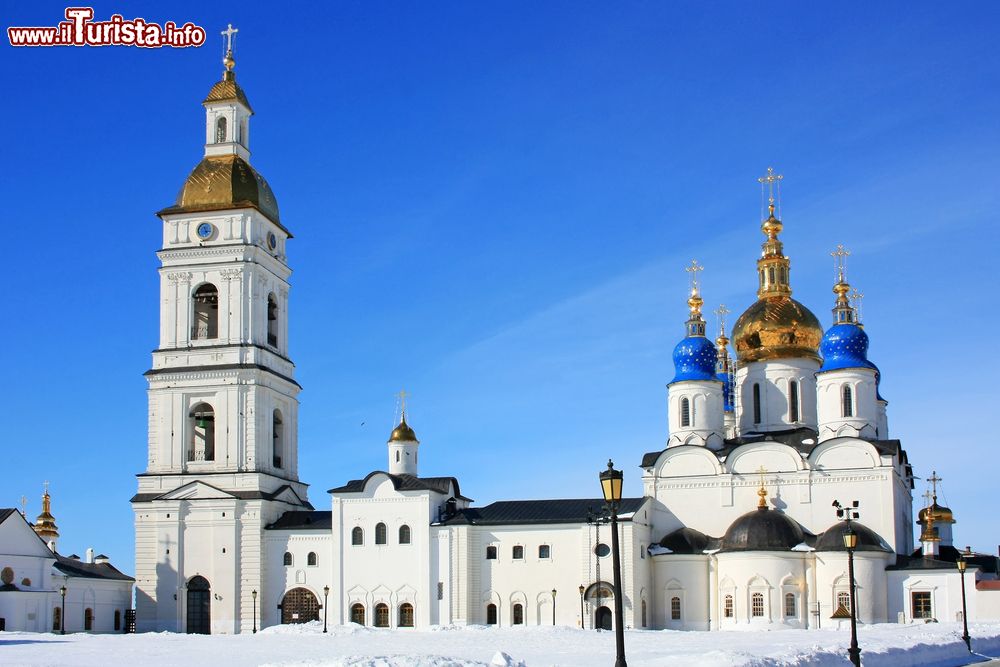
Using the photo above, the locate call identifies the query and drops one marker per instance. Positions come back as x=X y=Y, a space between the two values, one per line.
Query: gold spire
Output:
x=45 y=524
x=762 y=491
x=695 y=323
x=724 y=364
x=403 y=432
x=773 y=266
x=843 y=311
x=856 y=298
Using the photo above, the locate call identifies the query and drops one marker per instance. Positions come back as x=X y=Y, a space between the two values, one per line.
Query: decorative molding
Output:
x=232 y=274
x=180 y=276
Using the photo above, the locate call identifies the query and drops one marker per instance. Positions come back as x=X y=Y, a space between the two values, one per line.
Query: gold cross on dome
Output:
x=693 y=270
x=770 y=179
x=840 y=256
x=934 y=479
x=856 y=298
x=402 y=400
x=762 y=491
x=721 y=313
x=928 y=497
x=228 y=34
x=45 y=486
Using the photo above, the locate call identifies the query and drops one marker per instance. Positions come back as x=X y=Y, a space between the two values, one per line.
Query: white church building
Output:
x=735 y=528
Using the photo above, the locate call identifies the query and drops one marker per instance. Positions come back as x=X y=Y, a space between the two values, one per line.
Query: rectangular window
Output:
x=491 y=553
x=727 y=607
x=756 y=404
x=757 y=605
x=789 y=605
x=517 y=553
x=440 y=590
x=921 y=604
x=793 y=401
x=675 y=608
x=544 y=551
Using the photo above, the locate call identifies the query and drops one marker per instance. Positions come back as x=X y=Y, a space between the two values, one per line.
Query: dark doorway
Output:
x=299 y=606
x=199 y=606
x=603 y=618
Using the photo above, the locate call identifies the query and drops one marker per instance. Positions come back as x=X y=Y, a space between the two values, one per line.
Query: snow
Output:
x=885 y=645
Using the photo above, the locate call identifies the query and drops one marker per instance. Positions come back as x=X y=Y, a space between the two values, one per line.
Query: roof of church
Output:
x=242 y=495
x=832 y=539
x=949 y=555
x=299 y=520
x=687 y=540
x=571 y=510
x=765 y=529
x=76 y=568
x=920 y=563
x=6 y=512
x=442 y=485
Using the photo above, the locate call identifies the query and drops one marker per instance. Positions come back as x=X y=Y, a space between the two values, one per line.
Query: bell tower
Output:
x=223 y=409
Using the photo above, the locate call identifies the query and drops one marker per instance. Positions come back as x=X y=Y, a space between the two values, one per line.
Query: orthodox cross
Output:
x=721 y=313
x=228 y=34
x=934 y=479
x=762 y=492
x=402 y=401
x=770 y=179
x=693 y=270
x=856 y=298
x=45 y=485
x=24 y=507
x=840 y=256
x=928 y=497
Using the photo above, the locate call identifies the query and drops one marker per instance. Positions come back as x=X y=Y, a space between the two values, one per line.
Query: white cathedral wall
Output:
x=773 y=574
x=864 y=421
x=945 y=590
x=870 y=576
x=278 y=578
x=687 y=577
x=705 y=409
x=774 y=377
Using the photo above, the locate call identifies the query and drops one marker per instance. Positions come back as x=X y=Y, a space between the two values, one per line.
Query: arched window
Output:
x=381 y=615
x=491 y=553
x=88 y=619
x=220 y=130
x=357 y=536
x=789 y=605
x=56 y=619
x=844 y=600
x=272 y=320
x=756 y=403
x=311 y=558
x=118 y=620
x=206 y=313
x=757 y=605
x=277 y=438
x=770 y=276
x=544 y=551
x=406 y=615
x=358 y=613
x=397 y=456
x=404 y=534
x=685 y=412
x=846 y=402
x=517 y=553
x=793 y=401
x=288 y=559
x=643 y=607
x=675 y=608
x=727 y=607
x=517 y=617
x=761 y=278
x=491 y=614
x=201 y=421
x=380 y=533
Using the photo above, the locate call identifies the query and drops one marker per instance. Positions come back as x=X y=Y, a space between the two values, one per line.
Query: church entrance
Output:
x=603 y=618
x=299 y=606
x=199 y=606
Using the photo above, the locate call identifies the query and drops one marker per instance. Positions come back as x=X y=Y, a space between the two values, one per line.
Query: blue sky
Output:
x=493 y=204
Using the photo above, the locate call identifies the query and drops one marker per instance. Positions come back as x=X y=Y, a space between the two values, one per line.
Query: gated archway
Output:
x=603 y=618
x=299 y=606
x=199 y=606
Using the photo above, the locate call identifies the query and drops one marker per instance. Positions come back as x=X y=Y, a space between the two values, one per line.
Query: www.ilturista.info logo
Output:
x=79 y=29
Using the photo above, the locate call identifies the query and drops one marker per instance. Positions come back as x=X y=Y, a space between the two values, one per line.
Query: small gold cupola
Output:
x=45 y=525
x=843 y=311
x=403 y=444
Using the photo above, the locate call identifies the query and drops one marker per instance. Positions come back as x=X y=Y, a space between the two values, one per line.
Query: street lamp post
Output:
x=62 y=614
x=326 y=598
x=553 y=606
x=611 y=485
x=965 y=621
x=582 y=590
x=253 y=594
x=850 y=543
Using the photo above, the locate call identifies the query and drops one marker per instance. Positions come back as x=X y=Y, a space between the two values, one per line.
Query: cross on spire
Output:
x=934 y=479
x=762 y=491
x=840 y=256
x=228 y=34
x=856 y=299
x=721 y=313
x=45 y=486
x=402 y=402
x=693 y=270
x=24 y=506
x=770 y=179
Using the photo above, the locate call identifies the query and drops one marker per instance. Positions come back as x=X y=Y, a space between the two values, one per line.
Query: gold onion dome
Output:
x=776 y=326
x=225 y=181
x=45 y=525
x=939 y=514
x=403 y=432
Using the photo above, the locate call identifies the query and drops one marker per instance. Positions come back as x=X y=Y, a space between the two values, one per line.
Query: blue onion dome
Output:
x=845 y=344
x=694 y=359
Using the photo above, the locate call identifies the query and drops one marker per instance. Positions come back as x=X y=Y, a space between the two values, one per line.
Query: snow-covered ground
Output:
x=937 y=644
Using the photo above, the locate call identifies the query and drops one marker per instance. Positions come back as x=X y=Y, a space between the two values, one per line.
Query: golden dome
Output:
x=939 y=514
x=403 y=432
x=777 y=327
x=45 y=524
x=225 y=181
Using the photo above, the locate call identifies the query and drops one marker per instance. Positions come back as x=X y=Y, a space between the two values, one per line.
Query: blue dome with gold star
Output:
x=694 y=359
x=844 y=346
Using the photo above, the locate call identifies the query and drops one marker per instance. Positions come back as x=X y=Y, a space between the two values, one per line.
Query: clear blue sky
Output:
x=492 y=205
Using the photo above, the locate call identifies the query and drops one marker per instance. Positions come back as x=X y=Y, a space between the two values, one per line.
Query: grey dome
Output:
x=832 y=539
x=687 y=541
x=764 y=530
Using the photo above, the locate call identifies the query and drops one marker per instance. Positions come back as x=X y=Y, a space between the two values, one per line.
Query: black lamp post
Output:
x=326 y=597
x=62 y=614
x=965 y=622
x=553 y=606
x=851 y=543
x=611 y=484
x=582 y=590
x=253 y=594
